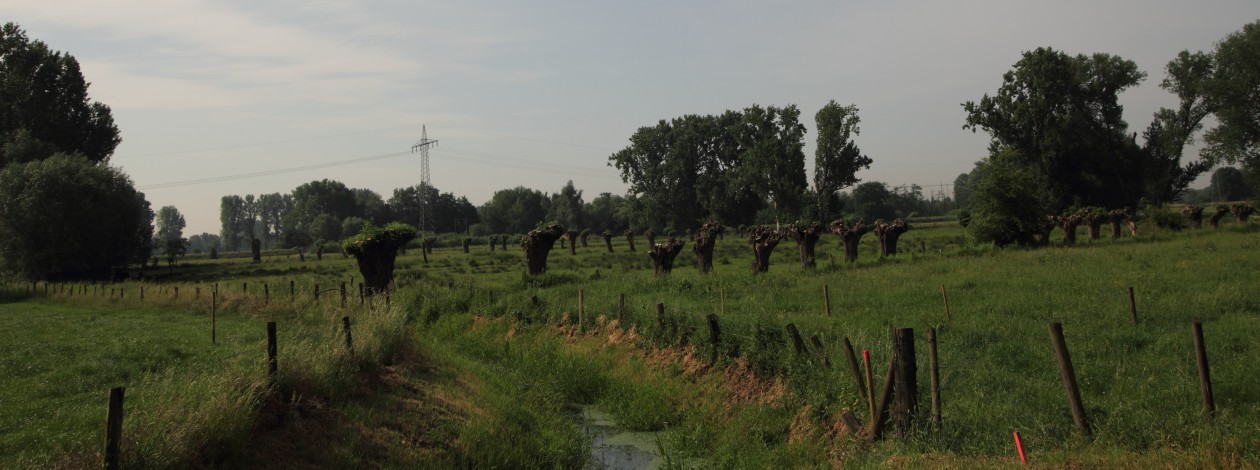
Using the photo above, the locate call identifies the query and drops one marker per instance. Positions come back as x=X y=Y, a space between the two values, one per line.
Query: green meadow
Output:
x=474 y=363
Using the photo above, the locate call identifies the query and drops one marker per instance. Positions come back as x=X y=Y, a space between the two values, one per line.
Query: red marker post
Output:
x=870 y=383
x=1019 y=447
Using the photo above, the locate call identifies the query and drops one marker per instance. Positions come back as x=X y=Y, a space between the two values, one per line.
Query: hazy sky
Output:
x=538 y=93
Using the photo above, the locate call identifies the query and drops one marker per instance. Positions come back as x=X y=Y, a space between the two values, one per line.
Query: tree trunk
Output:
x=850 y=235
x=466 y=243
x=492 y=244
x=763 y=240
x=889 y=234
x=663 y=255
x=572 y=236
x=630 y=240
x=1047 y=227
x=255 y=246
x=538 y=244
x=1115 y=229
x=319 y=253
x=1241 y=213
x=1094 y=229
x=608 y=241
x=1068 y=224
x=703 y=246
x=503 y=242
x=1215 y=221
x=377 y=268
x=1195 y=214
x=585 y=235
x=806 y=237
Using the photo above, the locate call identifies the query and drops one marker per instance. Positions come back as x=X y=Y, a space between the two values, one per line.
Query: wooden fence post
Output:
x=113 y=428
x=797 y=342
x=715 y=337
x=854 y=369
x=870 y=384
x=1205 y=378
x=827 y=299
x=214 y=317
x=906 y=382
x=1132 y=307
x=345 y=326
x=881 y=411
x=272 y=363
x=292 y=291
x=1068 y=373
x=935 y=378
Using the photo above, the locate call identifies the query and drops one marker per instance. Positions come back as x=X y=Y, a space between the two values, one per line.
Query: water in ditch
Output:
x=615 y=449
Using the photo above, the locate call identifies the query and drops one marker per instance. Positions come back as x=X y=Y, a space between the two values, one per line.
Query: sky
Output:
x=224 y=97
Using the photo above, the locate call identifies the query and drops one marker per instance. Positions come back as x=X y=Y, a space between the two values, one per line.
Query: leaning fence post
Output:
x=854 y=369
x=1205 y=378
x=345 y=326
x=945 y=296
x=272 y=364
x=113 y=428
x=1068 y=373
x=827 y=299
x=797 y=342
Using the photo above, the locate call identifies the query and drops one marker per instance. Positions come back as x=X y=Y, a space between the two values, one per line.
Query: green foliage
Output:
x=1008 y=203
x=1166 y=217
x=514 y=210
x=44 y=104
x=170 y=223
x=837 y=159
x=1062 y=117
x=1232 y=93
x=726 y=167
x=65 y=217
x=370 y=236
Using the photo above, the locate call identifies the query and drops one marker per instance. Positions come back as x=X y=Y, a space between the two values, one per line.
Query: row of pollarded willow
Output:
x=1092 y=218
x=763 y=239
x=1241 y=213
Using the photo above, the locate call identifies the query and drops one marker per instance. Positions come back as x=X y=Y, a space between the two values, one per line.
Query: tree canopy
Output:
x=44 y=104
x=837 y=158
x=725 y=167
x=1234 y=94
x=65 y=217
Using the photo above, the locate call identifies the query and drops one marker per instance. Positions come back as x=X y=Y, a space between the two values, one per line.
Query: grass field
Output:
x=506 y=359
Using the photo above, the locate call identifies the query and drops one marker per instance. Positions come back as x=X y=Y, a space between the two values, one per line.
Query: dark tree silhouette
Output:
x=850 y=235
x=663 y=255
x=806 y=235
x=705 y=240
x=888 y=235
x=763 y=240
x=537 y=244
x=375 y=249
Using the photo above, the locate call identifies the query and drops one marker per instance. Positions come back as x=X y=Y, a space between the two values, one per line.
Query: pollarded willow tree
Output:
x=850 y=234
x=1241 y=212
x=806 y=235
x=630 y=239
x=1093 y=218
x=763 y=240
x=572 y=235
x=537 y=244
x=1215 y=220
x=663 y=255
x=705 y=240
x=1125 y=216
x=1068 y=224
x=375 y=249
x=888 y=234
x=1195 y=214
x=607 y=234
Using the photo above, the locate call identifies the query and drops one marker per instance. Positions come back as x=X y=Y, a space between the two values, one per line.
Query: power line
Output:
x=260 y=144
x=281 y=171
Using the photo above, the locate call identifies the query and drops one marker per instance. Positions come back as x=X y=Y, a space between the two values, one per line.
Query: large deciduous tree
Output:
x=837 y=159
x=321 y=197
x=1061 y=116
x=725 y=167
x=44 y=104
x=170 y=224
x=1234 y=93
x=65 y=217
